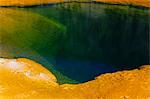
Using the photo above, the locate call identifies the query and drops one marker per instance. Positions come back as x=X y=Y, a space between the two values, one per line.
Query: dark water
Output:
x=80 y=41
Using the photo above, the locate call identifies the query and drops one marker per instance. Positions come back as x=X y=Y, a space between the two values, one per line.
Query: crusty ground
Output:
x=26 y=79
x=145 y=3
x=26 y=2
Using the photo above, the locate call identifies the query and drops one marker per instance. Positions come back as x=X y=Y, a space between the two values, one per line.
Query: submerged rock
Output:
x=27 y=34
x=23 y=78
x=23 y=31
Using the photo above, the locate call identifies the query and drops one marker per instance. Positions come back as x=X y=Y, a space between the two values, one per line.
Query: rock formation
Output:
x=24 y=79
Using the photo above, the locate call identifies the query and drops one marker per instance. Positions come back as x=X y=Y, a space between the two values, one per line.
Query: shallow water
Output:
x=77 y=42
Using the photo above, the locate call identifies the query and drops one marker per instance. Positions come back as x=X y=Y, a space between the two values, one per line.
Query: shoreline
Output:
x=28 y=79
x=143 y=4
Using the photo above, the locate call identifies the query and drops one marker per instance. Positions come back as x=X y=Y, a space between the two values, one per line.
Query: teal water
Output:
x=78 y=41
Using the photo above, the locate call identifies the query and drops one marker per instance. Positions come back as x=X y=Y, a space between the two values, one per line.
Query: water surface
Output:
x=77 y=41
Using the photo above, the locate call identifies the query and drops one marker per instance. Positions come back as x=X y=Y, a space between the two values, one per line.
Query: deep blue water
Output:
x=89 y=40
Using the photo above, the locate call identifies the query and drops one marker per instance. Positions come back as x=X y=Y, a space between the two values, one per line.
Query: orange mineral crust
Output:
x=26 y=79
x=26 y=2
x=144 y=3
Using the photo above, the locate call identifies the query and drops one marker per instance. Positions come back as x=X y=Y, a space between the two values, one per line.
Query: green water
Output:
x=77 y=41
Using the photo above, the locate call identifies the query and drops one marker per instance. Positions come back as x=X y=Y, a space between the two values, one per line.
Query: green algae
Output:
x=26 y=34
x=66 y=37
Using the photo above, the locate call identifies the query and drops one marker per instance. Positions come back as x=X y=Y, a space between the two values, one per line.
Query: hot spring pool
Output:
x=77 y=41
